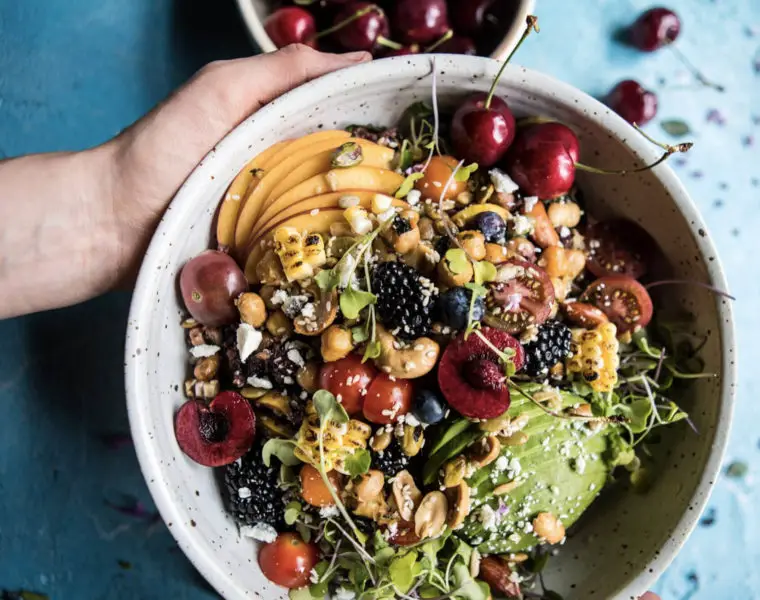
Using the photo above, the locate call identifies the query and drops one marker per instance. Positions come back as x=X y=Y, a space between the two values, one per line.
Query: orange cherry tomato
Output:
x=288 y=560
x=347 y=379
x=437 y=175
x=387 y=399
x=313 y=488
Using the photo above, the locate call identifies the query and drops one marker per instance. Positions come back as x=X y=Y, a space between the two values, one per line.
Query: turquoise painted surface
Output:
x=74 y=73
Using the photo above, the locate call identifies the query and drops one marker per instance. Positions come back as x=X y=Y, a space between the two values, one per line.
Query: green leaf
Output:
x=737 y=469
x=303 y=593
x=359 y=334
x=303 y=531
x=463 y=174
x=429 y=591
x=293 y=510
x=450 y=450
x=328 y=408
x=352 y=302
x=408 y=184
x=282 y=449
x=372 y=350
x=404 y=158
x=403 y=571
x=384 y=555
x=484 y=272
x=637 y=411
x=676 y=127
x=465 y=586
x=358 y=463
x=458 y=261
x=327 y=280
x=449 y=431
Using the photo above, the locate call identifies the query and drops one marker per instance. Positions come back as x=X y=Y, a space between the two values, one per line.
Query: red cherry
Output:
x=654 y=29
x=364 y=32
x=457 y=44
x=420 y=21
x=291 y=25
x=632 y=102
x=470 y=15
x=482 y=133
x=542 y=160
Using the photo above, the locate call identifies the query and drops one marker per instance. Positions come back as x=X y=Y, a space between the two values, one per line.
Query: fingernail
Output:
x=357 y=56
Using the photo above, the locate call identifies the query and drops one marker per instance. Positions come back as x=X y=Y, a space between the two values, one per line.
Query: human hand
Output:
x=82 y=221
x=650 y=596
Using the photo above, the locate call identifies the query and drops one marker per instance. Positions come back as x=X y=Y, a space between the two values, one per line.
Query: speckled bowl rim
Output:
x=393 y=68
x=258 y=34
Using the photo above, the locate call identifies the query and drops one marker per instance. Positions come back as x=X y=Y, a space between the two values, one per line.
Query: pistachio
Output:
x=454 y=471
x=430 y=518
x=371 y=485
x=499 y=423
x=189 y=323
x=519 y=557
x=277 y=403
x=406 y=494
x=381 y=440
x=485 y=452
x=308 y=377
x=459 y=505
x=279 y=325
x=347 y=155
x=412 y=441
x=549 y=528
x=518 y=438
x=505 y=488
x=251 y=393
x=475 y=563
x=427 y=232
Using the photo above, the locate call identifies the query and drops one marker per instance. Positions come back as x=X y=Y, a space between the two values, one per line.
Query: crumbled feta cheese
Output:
x=343 y=594
x=248 y=340
x=293 y=305
x=580 y=465
x=204 y=350
x=294 y=355
x=314 y=576
x=260 y=532
x=328 y=511
x=244 y=493
x=346 y=269
x=530 y=203
x=501 y=463
x=411 y=420
x=360 y=223
x=387 y=215
x=261 y=383
x=502 y=182
x=488 y=517
x=413 y=197
x=309 y=312
x=564 y=231
x=279 y=297
x=521 y=225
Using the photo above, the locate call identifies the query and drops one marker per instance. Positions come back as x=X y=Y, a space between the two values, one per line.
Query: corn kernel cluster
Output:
x=299 y=254
x=339 y=440
x=594 y=354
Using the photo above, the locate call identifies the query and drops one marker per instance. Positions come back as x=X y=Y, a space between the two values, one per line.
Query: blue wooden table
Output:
x=76 y=520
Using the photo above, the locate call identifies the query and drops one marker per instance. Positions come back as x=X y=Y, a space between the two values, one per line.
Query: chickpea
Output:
x=559 y=262
x=564 y=214
x=437 y=175
x=427 y=231
x=308 y=377
x=474 y=243
x=561 y=288
x=252 y=309
x=496 y=253
x=451 y=279
x=522 y=247
x=464 y=198
x=279 y=325
x=337 y=343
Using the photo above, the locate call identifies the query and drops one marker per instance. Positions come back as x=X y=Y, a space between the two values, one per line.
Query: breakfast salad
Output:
x=417 y=359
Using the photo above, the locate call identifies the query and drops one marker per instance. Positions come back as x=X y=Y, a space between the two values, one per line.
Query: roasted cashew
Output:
x=415 y=360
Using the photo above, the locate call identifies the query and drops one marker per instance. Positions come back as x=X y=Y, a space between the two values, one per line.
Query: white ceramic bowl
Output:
x=627 y=540
x=254 y=13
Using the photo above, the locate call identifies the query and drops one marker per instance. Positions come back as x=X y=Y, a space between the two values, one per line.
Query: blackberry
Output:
x=286 y=361
x=391 y=460
x=252 y=493
x=404 y=299
x=550 y=347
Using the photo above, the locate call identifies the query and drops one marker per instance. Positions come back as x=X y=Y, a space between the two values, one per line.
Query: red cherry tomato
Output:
x=523 y=295
x=619 y=247
x=348 y=379
x=387 y=399
x=623 y=299
x=210 y=282
x=288 y=560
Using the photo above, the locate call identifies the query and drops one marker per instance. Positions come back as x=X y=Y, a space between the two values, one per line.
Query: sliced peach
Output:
x=230 y=206
x=373 y=154
x=298 y=151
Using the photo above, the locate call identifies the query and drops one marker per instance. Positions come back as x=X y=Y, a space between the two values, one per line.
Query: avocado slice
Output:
x=560 y=470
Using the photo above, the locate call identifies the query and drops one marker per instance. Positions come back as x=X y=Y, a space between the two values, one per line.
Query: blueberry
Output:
x=491 y=225
x=454 y=307
x=428 y=407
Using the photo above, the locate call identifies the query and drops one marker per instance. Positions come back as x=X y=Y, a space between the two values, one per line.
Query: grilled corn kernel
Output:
x=314 y=250
x=289 y=245
x=594 y=355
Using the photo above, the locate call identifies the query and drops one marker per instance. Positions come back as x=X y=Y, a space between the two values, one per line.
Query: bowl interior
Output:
x=254 y=12
x=619 y=549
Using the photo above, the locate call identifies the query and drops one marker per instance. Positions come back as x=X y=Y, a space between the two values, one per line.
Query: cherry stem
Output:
x=383 y=41
x=531 y=25
x=694 y=71
x=669 y=150
x=347 y=21
x=528 y=121
x=446 y=37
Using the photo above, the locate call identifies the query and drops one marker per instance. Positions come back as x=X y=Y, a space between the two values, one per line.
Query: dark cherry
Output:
x=420 y=21
x=654 y=29
x=632 y=102
x=469 y=16
x=365 y=32
x=541 y=160
x=291 y=25
x=458 y=44
x=482 y=133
